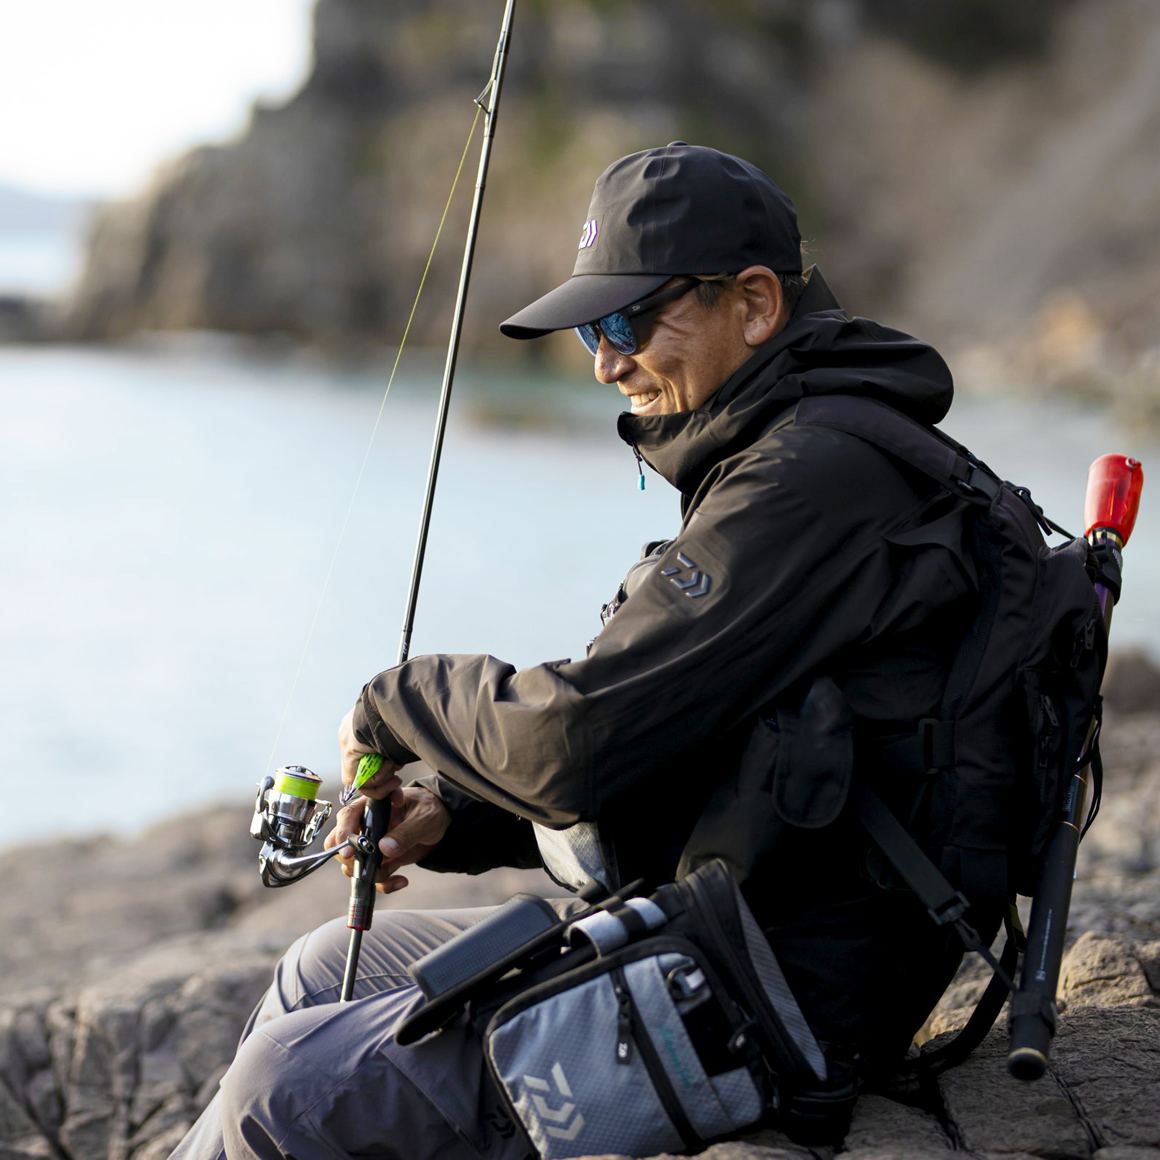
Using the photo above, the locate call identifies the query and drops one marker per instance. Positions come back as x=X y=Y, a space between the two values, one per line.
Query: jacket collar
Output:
x=820 y=351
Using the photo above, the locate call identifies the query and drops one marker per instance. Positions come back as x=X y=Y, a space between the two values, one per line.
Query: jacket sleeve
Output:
x=780 y=564
x=481 y=835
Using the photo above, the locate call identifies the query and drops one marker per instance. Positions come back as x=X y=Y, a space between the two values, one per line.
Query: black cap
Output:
x=682 y=209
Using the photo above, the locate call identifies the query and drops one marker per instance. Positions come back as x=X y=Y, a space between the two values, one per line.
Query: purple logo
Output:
x=588 y=237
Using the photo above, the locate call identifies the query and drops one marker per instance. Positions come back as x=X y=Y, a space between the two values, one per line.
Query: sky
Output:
x=94 y=93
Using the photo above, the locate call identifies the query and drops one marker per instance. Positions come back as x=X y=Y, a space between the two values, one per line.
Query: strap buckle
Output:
x=951 y=910
x=937 y=739
x=974 y=480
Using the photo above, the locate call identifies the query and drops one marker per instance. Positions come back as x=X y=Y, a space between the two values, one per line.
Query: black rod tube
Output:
x=375 y=820
x=1033 y=1009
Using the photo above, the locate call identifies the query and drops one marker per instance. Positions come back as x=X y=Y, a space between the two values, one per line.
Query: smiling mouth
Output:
x=639 y=402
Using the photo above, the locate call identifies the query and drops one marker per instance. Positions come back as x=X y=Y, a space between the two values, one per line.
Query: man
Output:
x=803 y=554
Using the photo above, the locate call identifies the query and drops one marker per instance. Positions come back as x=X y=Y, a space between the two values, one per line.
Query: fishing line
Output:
x=370 y=442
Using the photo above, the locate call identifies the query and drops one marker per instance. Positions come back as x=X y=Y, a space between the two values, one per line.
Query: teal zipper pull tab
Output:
x=639 y=465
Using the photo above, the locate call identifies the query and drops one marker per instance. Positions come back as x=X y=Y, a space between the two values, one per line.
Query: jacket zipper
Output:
x=639 y=464
x=628 y=1021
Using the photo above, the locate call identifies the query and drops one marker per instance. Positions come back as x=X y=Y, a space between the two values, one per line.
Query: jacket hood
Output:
x=820 y=352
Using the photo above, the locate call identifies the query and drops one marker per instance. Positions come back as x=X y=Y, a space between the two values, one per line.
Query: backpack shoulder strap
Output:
x=923 y=448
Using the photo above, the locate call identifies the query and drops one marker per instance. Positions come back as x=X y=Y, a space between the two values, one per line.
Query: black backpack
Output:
x=1024 y=685
x=1021 y=696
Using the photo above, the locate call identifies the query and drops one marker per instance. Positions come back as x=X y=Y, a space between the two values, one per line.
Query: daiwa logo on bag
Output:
x=569 y=1128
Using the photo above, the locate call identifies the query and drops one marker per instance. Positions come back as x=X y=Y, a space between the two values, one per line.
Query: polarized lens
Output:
x=589 y=336
x=618 y=330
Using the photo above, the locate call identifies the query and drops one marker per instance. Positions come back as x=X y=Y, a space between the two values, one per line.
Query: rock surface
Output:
x=123 y=991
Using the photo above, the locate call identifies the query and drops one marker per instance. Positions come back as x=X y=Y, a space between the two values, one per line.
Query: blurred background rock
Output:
x=984 y=174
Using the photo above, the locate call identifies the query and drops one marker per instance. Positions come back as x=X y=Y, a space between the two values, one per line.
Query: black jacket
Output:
x=801 y=551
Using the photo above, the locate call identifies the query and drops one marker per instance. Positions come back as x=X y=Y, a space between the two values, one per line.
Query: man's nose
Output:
x=611 y=366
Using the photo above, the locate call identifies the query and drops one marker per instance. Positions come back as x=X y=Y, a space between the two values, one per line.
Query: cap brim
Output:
x=583 y=298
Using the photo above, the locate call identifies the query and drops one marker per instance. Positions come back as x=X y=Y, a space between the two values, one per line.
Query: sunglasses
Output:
x=623 y=328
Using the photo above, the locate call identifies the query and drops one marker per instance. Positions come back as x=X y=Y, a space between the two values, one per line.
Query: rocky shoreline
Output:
x=131 y=965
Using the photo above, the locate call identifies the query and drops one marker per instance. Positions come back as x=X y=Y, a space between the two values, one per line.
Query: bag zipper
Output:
x=1049 y=732
x=623 y=1019
x=650 y=1058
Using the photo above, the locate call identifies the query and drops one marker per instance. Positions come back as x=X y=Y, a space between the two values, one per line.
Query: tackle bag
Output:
x=641 y=1025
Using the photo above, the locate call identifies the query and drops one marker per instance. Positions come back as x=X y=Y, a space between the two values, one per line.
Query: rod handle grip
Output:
x=376 y=822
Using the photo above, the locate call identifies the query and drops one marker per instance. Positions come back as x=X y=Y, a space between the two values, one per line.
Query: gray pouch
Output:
x=603 y=1061
x=674 y=1027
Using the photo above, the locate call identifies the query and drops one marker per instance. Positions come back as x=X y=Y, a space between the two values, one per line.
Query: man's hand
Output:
x=418 y=822
x=384 y=783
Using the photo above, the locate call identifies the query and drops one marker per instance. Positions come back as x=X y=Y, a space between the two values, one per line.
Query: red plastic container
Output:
x=1113 y=495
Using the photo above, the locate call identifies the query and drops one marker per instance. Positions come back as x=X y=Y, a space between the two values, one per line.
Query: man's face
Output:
x=687 y=357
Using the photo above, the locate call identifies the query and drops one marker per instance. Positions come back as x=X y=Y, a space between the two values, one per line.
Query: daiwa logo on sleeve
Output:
x=697 y=583
x=588 y=236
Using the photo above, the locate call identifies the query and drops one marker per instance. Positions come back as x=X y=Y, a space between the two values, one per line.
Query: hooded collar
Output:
x=821 y=351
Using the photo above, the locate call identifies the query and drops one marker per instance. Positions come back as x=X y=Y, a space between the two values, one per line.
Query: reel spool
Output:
x=287 y=817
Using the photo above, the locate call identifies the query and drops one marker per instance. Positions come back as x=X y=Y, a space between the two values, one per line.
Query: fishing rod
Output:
x=287 y=812
x=377 y=816
x=1110 y=506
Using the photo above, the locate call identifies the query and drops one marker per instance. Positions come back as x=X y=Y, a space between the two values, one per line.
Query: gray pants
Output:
x=314 y=1079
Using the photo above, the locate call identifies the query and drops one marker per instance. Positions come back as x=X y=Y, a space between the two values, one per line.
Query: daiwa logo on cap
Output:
x=588 y=236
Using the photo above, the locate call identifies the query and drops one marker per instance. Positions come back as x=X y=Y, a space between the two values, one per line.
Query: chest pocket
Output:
x=933 y=568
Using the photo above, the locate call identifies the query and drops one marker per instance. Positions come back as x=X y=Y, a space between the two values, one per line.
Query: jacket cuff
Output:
x=481 y=836
x=371 y=730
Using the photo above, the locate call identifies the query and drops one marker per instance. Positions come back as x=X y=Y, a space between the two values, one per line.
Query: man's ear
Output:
x=764 y=303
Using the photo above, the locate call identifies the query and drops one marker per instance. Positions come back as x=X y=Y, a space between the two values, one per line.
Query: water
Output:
x=167 y=524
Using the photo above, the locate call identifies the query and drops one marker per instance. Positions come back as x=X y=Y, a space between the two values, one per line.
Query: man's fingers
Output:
x=395 y=882
x=403 y=837
x=347 y=822
x=419 y=828
x=383 y=784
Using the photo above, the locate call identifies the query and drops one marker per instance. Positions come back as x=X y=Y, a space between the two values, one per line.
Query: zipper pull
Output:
x=1046 y=743
x=1084 y=642
x=639 y=465
x=1052 y=715
x=623 y=1024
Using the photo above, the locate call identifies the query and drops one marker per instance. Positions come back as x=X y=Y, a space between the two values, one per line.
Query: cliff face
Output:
x=954 y=165
x=318 y=219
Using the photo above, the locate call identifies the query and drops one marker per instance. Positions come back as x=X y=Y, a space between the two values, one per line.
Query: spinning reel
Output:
x=287 y=818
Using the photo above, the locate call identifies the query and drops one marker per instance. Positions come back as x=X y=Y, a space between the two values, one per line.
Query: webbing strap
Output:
x=982 y=1019
x=924 y=448
x=943 y=902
